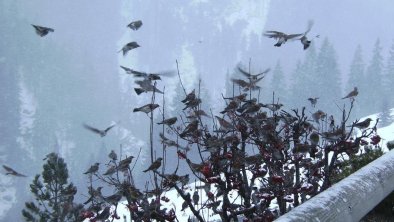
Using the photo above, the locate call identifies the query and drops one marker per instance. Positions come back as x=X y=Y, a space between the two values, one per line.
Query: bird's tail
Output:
x=139 y=90
x=136 y=110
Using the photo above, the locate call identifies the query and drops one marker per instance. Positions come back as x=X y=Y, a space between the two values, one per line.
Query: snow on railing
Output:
x=351 y=198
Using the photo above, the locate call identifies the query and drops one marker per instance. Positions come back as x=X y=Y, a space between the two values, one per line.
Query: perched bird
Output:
x=104 y=215
x=111 y=170
x=93 y=169
x=231 y=107
x=12 y=172
x=318 y=115
x=273 y=107
x=224 y=124
x=114 y=198
x=190 y=129
x=254 y=77
x=42 y=31
x=124 y=164
x=129 y=46
x=135 y=25
x=239 y=98
x=189 y=97
x=155 y=165
x=146 y=108
x=102 y=133
x=363 y=124
x=94 y=194
x=313 y=101
x=169 y=121
x=192 y=103
x=196 y=197
x=146 y=86
x=112 y=155
x=185 y=203
x=352 y=94
x=280 y=36
x=184 y=179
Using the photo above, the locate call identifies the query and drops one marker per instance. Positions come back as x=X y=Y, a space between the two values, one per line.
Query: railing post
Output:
x=351 y=198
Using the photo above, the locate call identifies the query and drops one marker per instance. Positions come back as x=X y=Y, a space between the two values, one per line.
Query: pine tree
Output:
x=54 y=195
x=327 y=78
x=278 y=85
x=372 y=99
x=356 y=76
x=389 y=76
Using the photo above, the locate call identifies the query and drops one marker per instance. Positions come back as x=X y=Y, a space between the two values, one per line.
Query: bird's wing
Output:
x=9 y=169
x=309 y=27
x=138 y=74
x=244 y=72
x=264 y=72
x=110 y=127
x=128 y=70
x=92 y=129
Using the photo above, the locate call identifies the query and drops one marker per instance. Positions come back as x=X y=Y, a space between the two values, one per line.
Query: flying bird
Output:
x=155 y=165
x=12 y=172
x=129 y=46
x=253 y=77
x=146 y=108
x=93 y=169
x=169 y=121
x=313 y=101
x=42 y=31
x=146 y=86
x=280 y=36
x=304 y=40
x=148 y=76
x=352 y=94
x=102 y=133
x=135 y=25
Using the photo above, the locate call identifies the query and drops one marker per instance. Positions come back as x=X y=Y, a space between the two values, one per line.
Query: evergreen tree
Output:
x=54 y=195
x=356 y=76
x=389 y=76
x=304 y=80
x=327 y=78
x=278 y=84
x=372 y=99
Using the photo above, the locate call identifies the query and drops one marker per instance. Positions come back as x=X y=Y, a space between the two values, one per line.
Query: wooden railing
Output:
x=351 y=198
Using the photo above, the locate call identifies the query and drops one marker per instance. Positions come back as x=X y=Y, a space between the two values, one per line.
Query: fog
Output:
x=52 y=85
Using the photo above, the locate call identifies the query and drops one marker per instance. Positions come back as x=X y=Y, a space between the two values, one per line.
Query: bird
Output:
x=273 y=107
x=189 y=97
x=304 y=40
x=146 y=108
x=191 y=128
x=129 y=46
x=363 y=124
x=169 y=142
x=93 y=169
x=197 y=113
x=184 y=179
x=42 y=31
x=251 y=85
x=192 y=103
x=280 y=36
x=313 y=101
x=231 y=107
x=146 y=86
x=135 y=25
x=318 y=115
x=94 y=193
x=255 y=76
x=104 y=215
x=185 y=203
x=352 y=94
x=112 y=155
x=169 y=121
x=148 y=76
x=114 y=198
x=12 y=172
x=224 y=124
x=196 y=197
x=102 y=133
x=111 y=170
x=155 y=165
x=124 y=164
